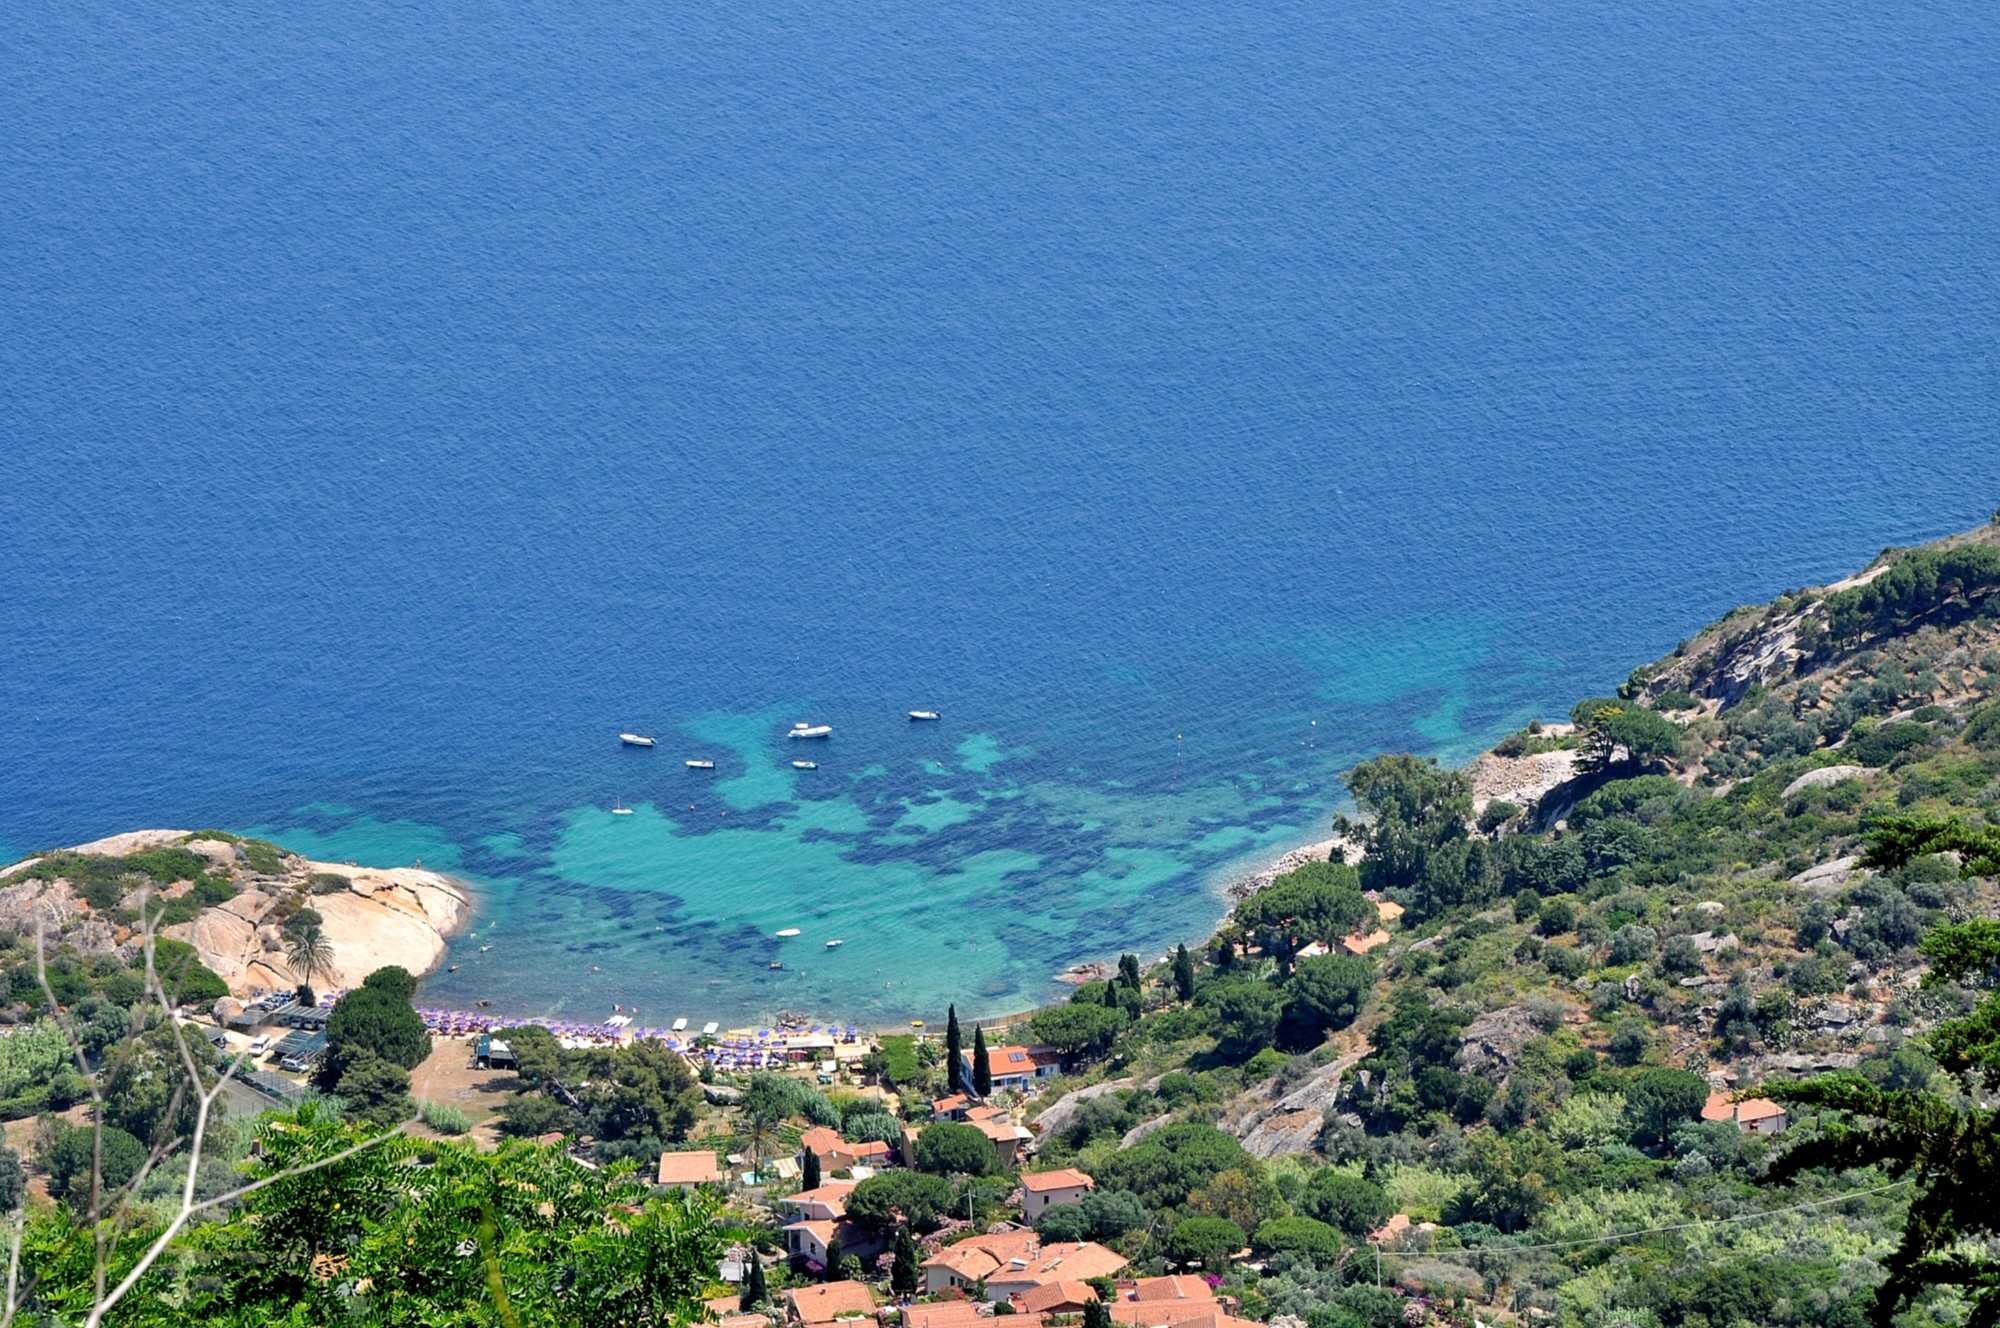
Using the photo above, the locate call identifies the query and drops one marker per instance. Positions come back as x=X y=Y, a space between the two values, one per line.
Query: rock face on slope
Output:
x=372 y=917
x=1276 y=1119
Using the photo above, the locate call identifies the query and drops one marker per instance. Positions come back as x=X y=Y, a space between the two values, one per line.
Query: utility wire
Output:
x=1652 y=1231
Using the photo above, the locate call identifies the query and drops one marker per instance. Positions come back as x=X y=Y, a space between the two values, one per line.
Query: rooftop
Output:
x=689 y=1168
x=1036 y=1182
x=829 y=1301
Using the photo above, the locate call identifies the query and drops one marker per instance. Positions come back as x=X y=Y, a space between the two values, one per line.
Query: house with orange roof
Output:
x=1016 y=1068
x=819 y=1141
x=828 y=1203
x=836 y=1154
x=947 y=1314
x=951 y=1108
x=1072 y=1261
x=1011 y=1142
x=808 y=1240
x=684 y=1171
x=1176 y=1314
x=962 y=1265
x=1757 y=1115
x=1183 y=1287
x=828 y=1302
x=1043 y=1190
x=1358 y=944
x=1061 y=1296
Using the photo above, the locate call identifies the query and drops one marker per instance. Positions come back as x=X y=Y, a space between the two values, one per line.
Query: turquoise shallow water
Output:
x=398 y=402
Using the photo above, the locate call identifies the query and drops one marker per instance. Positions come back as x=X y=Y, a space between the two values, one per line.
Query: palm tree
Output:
x=309 y=951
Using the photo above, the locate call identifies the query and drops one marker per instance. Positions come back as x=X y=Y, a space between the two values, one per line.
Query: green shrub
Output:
x=330 y=883
x=445 y=1118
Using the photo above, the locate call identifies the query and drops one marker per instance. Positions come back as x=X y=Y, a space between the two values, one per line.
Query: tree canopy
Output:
x=1320 y=901
x=949 y=1148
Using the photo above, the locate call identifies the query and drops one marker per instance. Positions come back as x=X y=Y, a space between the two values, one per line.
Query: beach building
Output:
x=828 y=1203
x=684 y=1171
x=1043 y=1190
x=1017 y=1069
x=828 y=1302
x=1757 y=1115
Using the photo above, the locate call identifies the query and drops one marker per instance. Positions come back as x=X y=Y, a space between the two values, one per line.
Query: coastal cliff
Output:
x=234 y=914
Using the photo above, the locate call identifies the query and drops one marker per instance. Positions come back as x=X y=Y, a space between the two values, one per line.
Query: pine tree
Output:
x=835 y=1256
x=903 y=1272
x=810 y=1170
x=1183 y=973
x=982 y=1069
x=1096 y=1314
x=954 y=1047
x=755 y=1293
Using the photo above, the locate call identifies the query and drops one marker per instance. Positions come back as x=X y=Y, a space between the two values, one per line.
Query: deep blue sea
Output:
x=399 y=400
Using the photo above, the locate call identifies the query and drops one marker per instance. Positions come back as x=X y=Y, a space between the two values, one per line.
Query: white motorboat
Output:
x=701 y=765
x=636 y=740
x=835 y=945
x=789 y=931
x=803 y=730
x=805 y=765
x=925 y=714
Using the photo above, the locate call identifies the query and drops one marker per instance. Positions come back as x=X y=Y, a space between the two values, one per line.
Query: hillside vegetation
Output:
x=1520 y=1069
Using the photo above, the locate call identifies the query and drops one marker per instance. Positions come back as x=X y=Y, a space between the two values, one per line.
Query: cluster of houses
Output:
x=1146 y=1302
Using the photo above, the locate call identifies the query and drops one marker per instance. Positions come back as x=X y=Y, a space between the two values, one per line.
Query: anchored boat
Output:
x=701 y=765
x=925 y=714
x=636 y=740
x=805 y=730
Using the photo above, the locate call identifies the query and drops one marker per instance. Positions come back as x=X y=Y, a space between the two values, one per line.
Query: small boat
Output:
x=789 y=931
x=701 y=765
x=835 y=945
x=776 y=964
x=805 y=730
x=805 y=765
x=679 y=1024
x=925 y=714
x=636 y=740
x=708 y=1028
x=484 y=948
x=452 y=969
x=621 y=811
x=483 y=1004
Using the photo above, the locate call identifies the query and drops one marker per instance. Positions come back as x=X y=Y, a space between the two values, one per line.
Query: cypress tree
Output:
x=835 y=1256
x=755 y=1293
x=954 y=1047
x=903 y=1272
x=810 y=1170
x=982 y=1069
x=1183 y=973
x=1096 y=1314
x=1128 y=970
